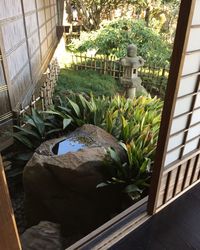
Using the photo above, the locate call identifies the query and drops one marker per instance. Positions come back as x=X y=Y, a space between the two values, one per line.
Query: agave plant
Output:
x=37 y=130
x=135 y=123
x=128 y=120
x=81 y=109
x=133 y=175
x=138 y=128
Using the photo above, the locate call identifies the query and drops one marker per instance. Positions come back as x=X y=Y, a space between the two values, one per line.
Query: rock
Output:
x=45 y=236
x=7 y=165
x=62 y=188
x=17 y=198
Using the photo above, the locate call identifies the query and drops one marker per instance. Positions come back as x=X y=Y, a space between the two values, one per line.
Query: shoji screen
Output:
x=177 y=164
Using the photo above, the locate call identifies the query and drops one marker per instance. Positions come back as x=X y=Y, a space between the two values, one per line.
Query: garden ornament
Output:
x=130 y=79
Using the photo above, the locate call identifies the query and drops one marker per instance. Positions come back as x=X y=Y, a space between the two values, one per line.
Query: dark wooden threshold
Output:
x=176 y=227
x=115 y=229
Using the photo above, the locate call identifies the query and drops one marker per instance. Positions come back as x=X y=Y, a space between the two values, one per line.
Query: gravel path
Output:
x=17 y=198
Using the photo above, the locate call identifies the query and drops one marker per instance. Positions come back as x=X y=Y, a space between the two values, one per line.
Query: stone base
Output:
x=45 y=235
x=134 y=83
x=130 y=82
x=131 y=93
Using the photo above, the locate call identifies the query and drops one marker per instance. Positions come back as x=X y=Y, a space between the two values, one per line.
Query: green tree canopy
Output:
x=90 y=11
x=114 y=37
x=161 y=15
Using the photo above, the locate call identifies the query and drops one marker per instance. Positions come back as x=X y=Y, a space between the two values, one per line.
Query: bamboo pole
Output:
x=113 y=68
x=85 y=62
x=42 y=98
x=104 y=66
x=9 y=238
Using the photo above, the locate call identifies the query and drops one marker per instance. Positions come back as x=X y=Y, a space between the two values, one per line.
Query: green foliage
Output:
x=160 y=15
x=132 y=175
x=134 y=122
x=38 y=129
x=91 y=12
x=85 y=81
x=82 y=110
x=126 y=119
x=114 y=36
x=138 y=125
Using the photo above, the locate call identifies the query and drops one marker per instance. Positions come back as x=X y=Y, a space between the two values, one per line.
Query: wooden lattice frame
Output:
x=171 y=180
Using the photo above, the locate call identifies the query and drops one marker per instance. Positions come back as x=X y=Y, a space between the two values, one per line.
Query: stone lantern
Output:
x=130 y=79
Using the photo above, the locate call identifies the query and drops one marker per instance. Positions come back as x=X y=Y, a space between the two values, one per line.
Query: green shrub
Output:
x=113 y=37
x=126 y=119
x=131 y=176
x=134 y=123
x=38 y=129
x=86 y=81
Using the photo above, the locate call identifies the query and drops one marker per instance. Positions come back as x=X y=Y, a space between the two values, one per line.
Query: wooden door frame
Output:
x=177 y=62
x=9 y=237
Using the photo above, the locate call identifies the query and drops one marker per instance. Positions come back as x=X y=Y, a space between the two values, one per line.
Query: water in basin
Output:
x=68 y=145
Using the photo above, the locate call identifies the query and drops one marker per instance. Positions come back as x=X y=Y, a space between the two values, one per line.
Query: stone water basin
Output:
x=61 y=177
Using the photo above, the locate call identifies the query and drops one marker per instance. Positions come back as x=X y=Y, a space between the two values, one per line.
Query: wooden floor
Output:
x=177 y=227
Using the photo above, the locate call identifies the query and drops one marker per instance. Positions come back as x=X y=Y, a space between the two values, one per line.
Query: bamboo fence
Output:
x=71 y=32
x=43 y=94
x=154 y=78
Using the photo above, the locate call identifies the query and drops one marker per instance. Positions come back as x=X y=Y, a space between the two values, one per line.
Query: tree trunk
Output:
x=96 y=19
x=147 y=16
x=69 y=11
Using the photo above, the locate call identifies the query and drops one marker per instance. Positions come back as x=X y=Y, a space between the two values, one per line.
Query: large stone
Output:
x=45 y=236
x=62 y=188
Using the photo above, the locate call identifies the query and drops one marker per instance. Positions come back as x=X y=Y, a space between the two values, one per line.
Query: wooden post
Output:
x=81 y=61
x=16 y=117
x=45 y=94
x=105 y=66
x=9 y=238
x=162 y=82
x=57 y=69
x=48 y=91
x=91 y=63
x=85 y=62
x=33 y=102
x=114 y=71
x=42 y=97
x=95 y=64
x=76 y=63
x=102 y=65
